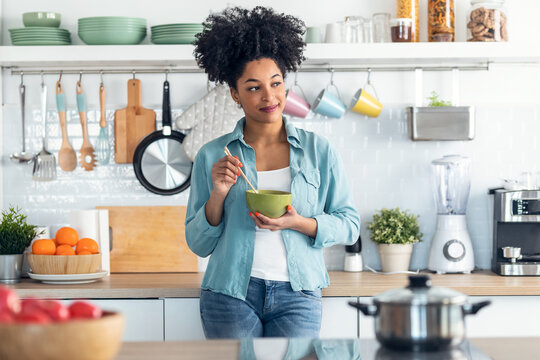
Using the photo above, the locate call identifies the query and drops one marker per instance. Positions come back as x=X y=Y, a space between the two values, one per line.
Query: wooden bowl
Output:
x=92 y=339
x=64 y=264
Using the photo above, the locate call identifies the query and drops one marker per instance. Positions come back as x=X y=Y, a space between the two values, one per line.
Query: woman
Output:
x=265 y=275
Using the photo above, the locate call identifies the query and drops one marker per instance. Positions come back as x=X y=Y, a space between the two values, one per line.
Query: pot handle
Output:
x=368 y=310
x=474 y=308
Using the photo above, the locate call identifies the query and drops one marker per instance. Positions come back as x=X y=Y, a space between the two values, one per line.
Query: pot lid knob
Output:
x=419 y=282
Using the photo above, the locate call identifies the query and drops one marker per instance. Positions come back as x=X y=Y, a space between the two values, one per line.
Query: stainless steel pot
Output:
x=420 y=317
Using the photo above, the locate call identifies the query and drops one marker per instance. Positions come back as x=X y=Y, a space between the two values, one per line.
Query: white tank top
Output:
x=270 y=255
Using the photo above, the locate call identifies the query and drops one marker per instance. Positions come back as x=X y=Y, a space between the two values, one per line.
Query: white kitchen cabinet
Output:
x=339 y=319
x=143 y=317
x=183 y=320
x=366 y=323
x=507 y=316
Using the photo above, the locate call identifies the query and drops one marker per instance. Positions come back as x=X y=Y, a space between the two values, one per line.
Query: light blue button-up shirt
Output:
x=320 y=191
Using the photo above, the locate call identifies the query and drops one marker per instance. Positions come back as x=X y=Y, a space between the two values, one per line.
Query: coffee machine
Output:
x=516 y=232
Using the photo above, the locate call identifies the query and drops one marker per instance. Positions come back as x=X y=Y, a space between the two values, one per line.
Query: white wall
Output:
x=385 y=169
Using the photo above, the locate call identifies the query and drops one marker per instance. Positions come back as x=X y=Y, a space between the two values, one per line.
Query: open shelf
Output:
x=318 y=55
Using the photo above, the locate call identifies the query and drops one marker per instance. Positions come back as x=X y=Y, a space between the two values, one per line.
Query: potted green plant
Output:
x=440 y=120
x=15 y=236
x=394 y=231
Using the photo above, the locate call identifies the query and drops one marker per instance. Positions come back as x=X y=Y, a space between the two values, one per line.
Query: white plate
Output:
x=60 y=279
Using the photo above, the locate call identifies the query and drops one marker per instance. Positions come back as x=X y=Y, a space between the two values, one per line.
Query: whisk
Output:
x=102 y=142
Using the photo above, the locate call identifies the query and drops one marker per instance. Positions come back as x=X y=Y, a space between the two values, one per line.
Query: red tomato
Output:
x=30 y=305
x=36 y=317
x=84 y=310
x=9 y=300
x=55 y=309
x=6 y=317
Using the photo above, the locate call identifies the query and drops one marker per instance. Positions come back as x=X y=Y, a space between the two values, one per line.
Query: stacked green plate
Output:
x=112 y=30
x=40 y=36
x=182 y=33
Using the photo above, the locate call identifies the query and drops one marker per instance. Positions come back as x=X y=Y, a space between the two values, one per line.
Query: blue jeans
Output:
x=271 y=309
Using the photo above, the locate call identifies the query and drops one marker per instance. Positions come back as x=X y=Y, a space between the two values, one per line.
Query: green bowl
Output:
x=271 y=203
x=112 y=37
x=41 y=18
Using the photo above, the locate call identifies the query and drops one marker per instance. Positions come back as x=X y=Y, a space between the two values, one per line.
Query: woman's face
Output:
x=261 y=91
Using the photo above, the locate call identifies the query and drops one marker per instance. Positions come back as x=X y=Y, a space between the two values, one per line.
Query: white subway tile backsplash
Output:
x=384 y=168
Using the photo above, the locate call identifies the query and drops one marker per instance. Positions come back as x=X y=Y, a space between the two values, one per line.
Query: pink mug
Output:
x=296 y=105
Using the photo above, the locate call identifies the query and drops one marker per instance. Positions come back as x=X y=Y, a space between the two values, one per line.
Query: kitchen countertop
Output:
x=343 y=284
x=496 y=348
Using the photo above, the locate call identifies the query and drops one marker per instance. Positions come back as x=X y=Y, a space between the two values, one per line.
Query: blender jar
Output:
x=452 y=184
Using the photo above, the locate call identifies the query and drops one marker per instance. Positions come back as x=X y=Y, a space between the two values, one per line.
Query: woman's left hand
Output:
x=286 y=221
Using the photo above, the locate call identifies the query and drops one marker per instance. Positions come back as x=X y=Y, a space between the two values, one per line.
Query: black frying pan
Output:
x=160 y=162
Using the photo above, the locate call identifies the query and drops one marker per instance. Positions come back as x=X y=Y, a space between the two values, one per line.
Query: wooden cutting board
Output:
x=149 y=239
x=131 y=124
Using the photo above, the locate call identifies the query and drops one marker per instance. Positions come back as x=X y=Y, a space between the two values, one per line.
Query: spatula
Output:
x=87 y=156
x=102 y=142
x=66 y=156
x=45 y=162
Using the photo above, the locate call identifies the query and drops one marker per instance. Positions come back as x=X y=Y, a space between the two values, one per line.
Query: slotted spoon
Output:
x=87 y=156
x=45 y=162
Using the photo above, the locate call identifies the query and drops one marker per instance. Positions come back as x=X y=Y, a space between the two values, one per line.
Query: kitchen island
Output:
x=342 y=284
x=154 y=303
x=496 y=348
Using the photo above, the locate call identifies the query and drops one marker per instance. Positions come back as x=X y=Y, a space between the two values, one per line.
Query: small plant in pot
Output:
x=15 y=236
x=395 y=231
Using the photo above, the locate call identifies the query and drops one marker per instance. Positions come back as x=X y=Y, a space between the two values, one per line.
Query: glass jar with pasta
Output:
x=441 y=20
x=409 y=9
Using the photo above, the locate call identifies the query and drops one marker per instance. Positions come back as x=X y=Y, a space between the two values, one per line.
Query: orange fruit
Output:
x=84 y=253
x=67 y=236
x=87 y=244
x=43 y=247
x=65 y=250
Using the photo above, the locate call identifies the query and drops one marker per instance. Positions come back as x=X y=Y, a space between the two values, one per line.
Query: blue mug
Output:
x=329 y=104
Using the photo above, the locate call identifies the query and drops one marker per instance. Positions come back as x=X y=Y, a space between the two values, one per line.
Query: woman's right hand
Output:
x=225 y=171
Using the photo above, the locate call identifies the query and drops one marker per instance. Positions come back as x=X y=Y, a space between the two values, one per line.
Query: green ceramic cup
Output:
x=41 y=18
x=270 y=203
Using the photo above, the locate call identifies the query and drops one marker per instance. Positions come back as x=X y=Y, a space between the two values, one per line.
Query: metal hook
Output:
x=60 y=78
x=331 y=76
x=167 y=75
x=101 y=76
x=42 y=81
x=133 y=74
x=22 y=78
x=296 y=78
x=80 y=76
x=369 y=76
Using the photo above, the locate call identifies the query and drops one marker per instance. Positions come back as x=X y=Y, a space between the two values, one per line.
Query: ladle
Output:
x=22 y=157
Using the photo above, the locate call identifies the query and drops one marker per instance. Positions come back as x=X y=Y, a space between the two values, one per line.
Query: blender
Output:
x=451 y=249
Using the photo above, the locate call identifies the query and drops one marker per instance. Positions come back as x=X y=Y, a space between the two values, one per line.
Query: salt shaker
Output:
x=353 y=256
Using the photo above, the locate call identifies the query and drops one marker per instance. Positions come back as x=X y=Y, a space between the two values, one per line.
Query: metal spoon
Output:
x=22 y=157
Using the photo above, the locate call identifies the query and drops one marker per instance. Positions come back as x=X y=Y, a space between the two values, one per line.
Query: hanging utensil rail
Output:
x=484 y=66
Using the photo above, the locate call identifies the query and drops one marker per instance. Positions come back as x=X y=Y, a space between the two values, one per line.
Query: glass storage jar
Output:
x=401 y=30
x=487 y=21
x=441 y=20
x=409 y=9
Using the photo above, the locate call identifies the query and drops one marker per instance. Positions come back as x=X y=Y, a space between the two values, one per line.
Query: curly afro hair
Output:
x=236 y=36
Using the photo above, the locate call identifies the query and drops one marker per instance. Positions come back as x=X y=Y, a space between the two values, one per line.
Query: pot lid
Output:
x=420 y=292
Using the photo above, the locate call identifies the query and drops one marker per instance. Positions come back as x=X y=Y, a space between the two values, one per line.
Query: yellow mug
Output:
x=365 y=103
